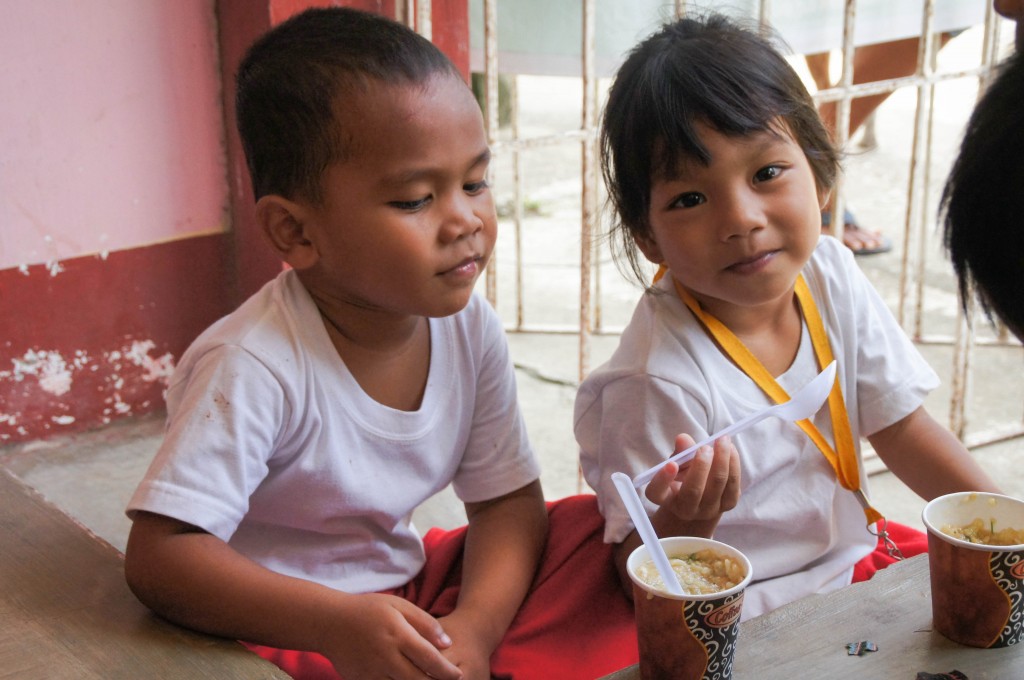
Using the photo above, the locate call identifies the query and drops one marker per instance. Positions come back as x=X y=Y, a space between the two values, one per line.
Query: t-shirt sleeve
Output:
x=224 y=417
x=498 y=458
x=629 y=424
x=893 y=379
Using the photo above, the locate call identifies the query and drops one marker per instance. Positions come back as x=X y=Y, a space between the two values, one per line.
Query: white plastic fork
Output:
x=804 y=404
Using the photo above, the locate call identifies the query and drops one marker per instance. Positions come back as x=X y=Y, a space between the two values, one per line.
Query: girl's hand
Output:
x=692 y=498
x=383 y=636
x=702 y=489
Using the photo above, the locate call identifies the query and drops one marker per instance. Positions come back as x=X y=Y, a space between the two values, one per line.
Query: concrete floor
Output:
x=92 y=475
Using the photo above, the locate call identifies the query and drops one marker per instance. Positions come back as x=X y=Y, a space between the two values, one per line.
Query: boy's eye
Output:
x=767 y=173
x=475 y=187
x=688 y=200
x=410 y=205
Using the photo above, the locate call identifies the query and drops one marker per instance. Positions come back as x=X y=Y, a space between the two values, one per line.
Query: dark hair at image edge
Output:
x=982 y=200
x=713 y=70
x=295 y=79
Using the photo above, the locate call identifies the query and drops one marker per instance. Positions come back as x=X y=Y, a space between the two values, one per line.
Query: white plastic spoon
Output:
x=804 y=404
x=643 y=525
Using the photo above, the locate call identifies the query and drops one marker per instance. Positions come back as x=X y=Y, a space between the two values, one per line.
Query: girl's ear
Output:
x=649 y=247
x=282 y=222
x=824 y=196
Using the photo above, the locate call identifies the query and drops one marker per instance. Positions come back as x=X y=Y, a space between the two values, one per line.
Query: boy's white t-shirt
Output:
x=801 y=530
x=272 y=446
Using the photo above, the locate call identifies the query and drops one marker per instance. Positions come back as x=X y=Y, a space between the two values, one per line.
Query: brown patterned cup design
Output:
x=689 y=637
x=977 y=589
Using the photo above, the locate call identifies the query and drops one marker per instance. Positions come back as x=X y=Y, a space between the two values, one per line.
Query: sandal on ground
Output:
x=856 y=238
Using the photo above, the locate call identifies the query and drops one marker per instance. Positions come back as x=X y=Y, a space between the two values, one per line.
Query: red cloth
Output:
x=575 y=622
x=910 y=541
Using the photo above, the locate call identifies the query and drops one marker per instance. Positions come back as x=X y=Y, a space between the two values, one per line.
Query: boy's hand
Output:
x=702 y=489
x=197 y=580
x=389 y=637
x=468 y=650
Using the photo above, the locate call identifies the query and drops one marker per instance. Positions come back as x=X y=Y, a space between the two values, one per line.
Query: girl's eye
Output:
x=767 y=173
x=688 y=200
x=475 y=187
x=410 y=205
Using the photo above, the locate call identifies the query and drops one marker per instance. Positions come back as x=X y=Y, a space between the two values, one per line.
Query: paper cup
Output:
x=689 y=637
x=977 y=590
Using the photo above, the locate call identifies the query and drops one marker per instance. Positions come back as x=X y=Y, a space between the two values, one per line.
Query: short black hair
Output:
x=982 y=204
x=296 y=78
x=700 y=69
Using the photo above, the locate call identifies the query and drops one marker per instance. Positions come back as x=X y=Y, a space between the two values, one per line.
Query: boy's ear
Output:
x=282 y=222
x=649 y=248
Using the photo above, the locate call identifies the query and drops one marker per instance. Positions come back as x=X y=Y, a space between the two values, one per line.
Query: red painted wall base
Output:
x=96 y=340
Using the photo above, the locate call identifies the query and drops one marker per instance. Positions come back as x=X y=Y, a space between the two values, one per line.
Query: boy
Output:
x=305 y=427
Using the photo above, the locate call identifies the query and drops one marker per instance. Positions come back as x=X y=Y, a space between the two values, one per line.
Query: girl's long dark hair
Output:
x=709 y=70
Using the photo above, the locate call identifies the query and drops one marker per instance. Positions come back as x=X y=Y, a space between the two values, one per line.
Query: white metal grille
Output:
x=588 y=268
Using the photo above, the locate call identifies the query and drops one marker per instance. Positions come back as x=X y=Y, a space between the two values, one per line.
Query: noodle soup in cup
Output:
x=976 y=563
x=692 y=636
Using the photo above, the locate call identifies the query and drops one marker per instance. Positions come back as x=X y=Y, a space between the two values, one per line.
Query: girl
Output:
x=717 y=166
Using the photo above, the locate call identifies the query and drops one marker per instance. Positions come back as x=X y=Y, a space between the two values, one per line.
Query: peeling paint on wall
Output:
x=117 y=375
x=49 y=369
x=155 y=369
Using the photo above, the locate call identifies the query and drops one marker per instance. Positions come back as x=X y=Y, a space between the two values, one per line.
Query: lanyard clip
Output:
x=876 y=518
x=882 y=524
x=890 y=545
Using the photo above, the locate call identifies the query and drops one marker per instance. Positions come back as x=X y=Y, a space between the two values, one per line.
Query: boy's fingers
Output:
x=431 y=662
x=429 y=628
x=423 y=651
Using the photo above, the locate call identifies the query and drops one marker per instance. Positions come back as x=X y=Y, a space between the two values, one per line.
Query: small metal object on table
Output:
x=808 y=638
x=67 y=612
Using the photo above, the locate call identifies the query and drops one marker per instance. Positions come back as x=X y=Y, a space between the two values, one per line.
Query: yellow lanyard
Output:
x=843 y=457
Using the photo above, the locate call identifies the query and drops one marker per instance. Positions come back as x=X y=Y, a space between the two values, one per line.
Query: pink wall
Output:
x=110 y=130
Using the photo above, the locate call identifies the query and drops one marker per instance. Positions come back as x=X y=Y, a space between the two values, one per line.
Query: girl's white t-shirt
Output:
x=272 y=446
x=801 y=530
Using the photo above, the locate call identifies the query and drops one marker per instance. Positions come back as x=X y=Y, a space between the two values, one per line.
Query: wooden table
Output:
x=807 y=639
x=66 y=611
